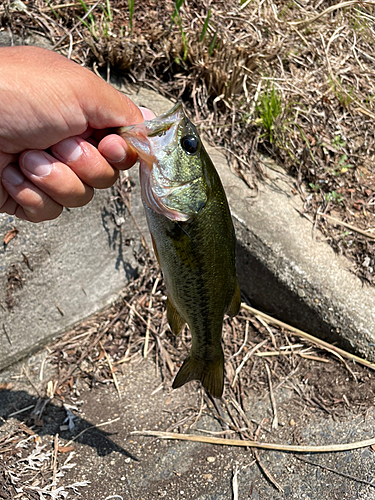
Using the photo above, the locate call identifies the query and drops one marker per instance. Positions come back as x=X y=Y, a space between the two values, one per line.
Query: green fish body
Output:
x=193 y=237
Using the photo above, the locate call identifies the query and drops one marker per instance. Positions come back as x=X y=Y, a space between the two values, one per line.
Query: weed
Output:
x=337 y=142
x=343 y=96
x=205 y=26
x=90 y=24
x=269 y=108
x=176 y=18
x=176 y=14
x=334 y=197
x=131 y=13
x=315 y=187
x=53 y=10
x=107 y=11
x=342 y=166
x=212 y=44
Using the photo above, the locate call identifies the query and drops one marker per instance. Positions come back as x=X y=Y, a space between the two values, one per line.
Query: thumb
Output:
x=106 y=107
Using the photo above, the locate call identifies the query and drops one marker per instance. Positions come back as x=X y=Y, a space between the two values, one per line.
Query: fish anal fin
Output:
x=235 y=305
x=210 y=373
x=174 y=319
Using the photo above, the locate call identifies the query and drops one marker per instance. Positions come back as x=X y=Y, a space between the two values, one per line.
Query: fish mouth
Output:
x=137 y=135
x=151 y=140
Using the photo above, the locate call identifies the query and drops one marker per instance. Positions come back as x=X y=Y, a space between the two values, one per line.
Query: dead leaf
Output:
x=65 y=449
x=10 y=235
x=5 y=385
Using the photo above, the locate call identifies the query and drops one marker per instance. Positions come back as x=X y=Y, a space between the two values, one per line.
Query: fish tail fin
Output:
x=210 y=373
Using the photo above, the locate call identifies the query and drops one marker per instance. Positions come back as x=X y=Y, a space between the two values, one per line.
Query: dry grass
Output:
x=292 y=79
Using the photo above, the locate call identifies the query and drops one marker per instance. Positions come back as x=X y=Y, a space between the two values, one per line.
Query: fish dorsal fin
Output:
x=235 y=305
x=174 y=319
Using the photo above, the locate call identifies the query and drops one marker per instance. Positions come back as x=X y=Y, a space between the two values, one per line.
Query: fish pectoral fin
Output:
x=210 y=373
x=174 y=319
x=235 y=305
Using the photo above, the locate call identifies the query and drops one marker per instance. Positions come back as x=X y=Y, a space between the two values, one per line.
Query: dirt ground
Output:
x=320 y=402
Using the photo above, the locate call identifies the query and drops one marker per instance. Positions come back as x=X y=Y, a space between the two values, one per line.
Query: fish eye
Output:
x=190 y=144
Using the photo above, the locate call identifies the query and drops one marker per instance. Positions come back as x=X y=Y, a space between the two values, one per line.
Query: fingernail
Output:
x=12 y=175
x=68 y=150
x=116 y=153
x=36 y=163
x=147 y=113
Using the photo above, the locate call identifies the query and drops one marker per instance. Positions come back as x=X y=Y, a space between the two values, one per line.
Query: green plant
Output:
x=131 y=13
x=53 y=10
x=90 y=24
x=176 y=18
x=205 y=26
x=337 y=142
x=344 y=97
x=176 y=14
x=315 y=187
x=269 y=107
x=334 y=197
x=342 y=166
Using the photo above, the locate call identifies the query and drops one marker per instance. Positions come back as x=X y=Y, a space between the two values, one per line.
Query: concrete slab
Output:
x=56 y=273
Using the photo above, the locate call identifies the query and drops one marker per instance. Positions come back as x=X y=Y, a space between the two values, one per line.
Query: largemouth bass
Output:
x=193 y=238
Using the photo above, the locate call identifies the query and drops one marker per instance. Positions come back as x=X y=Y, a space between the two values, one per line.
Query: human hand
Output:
x=55 y=141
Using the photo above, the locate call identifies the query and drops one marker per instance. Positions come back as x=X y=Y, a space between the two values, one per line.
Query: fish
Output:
x=193 y=238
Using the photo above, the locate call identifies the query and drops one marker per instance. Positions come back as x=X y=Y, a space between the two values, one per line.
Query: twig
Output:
x=21 y=411
x=91 y=427
x=257 y=444
x=76 y=25
x=54 y=460
x=141 y=318
x=235 y=483
x=248 y=355
x=244 y=342
x=7 y=335
x=263 y=468
x=341 y=5
x=200 y=410
x=311 y=338
x=348 y=226
x=261 y=320
x=275 y=420
x=111 y=369
x=343 y=474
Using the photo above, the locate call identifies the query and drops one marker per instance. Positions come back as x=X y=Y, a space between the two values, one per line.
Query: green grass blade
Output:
x=212 y=44
x=205 y=26
x=131 y=13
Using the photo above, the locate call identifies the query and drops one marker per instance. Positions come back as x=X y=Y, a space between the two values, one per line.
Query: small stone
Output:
x=211 y=459
x=207 y=476
x=292 y=422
